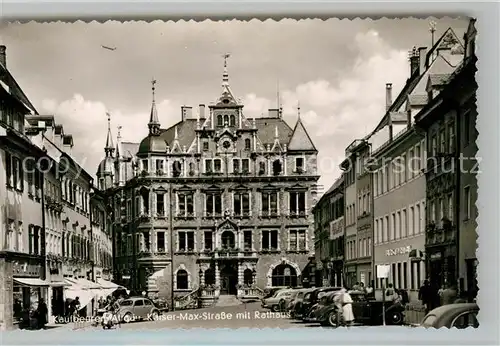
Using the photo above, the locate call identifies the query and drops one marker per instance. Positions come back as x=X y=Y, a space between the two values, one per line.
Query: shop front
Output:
x=407 y=269
x=55 y=278
x=441 y=265
x=23 y=288
x=350 y=275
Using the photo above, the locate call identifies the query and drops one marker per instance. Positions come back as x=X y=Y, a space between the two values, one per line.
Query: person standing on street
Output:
x=425 y=295
x=41 y=313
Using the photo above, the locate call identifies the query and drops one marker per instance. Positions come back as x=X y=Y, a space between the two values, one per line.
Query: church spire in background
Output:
x=109 y=149
x=225 y=74
x=154 y=123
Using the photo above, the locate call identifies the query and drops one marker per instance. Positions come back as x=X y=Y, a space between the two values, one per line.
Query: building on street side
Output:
x=448 y=120
x=218 y=202
x=329 y=235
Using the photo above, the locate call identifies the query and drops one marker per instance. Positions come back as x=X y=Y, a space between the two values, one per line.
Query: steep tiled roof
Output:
x=300 y=138
x=185 y=129
x=418 y=99
x=266 y=128
x=438 y=79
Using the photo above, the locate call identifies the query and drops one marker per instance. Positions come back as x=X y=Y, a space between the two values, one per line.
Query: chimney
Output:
x=422 y=54
x=388 y=96
x=414 y=61
x=3 y=56
x=273 y=113
x=202 y=111
x=187 y=112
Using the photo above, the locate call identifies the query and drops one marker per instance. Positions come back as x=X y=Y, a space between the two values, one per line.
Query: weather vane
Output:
x=226 y=56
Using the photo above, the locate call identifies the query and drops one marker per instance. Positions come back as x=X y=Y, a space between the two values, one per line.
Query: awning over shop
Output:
x=84 y=296
x=58 y=284
x=33 y=282
x=108 y=287
x=84 y=289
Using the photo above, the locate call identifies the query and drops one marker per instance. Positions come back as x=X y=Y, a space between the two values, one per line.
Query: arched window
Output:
x=219 y=120
x=228 y=241
x=182 y=280
x=176 y=168
x=248 y=277
x=276 y=167
x=247 y=144
x=209 y=276
x=284 y=275
x=232 y=121
x=191 y=168
x=226 y=119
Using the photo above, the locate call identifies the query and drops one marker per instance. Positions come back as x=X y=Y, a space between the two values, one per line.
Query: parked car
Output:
x=295 y=304
x=323 y=304
x=366 y=311
x=460 y=315
x=310 y=299
x=269 y=292
x=137 y=308
x=278 y=301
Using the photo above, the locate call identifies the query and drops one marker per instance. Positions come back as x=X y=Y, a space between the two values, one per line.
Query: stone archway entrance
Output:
x=229 y=278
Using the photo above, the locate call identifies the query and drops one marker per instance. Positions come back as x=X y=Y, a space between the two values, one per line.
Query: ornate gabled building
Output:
x=216 y=201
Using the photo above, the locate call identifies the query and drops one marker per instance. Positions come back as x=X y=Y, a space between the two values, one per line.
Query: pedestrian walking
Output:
x=347 y=312
x=425 y=295
x=41 y=313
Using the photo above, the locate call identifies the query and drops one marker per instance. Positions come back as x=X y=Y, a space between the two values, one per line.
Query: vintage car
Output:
x=366 y=311
x=137 y=308
x=296 y=303
x=459 y=315
x=310 y=300
x=323 y=304
x=269 y=292
x=278 y=301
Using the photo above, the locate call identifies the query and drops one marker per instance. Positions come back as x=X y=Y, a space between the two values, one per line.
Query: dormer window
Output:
x=247 y=144
x=277 y=167
x=220 y=121
x=176 y=169
x=232 y=120
x=205 y=146
x=226 y=120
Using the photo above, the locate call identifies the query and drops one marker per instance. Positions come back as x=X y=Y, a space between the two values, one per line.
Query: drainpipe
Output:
x=171 y=239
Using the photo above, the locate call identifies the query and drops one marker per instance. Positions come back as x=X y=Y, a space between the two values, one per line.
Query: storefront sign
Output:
x=383 y=271
x=398 y=251
x=26 y=269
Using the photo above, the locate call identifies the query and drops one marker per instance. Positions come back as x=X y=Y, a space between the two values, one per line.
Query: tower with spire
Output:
x=154 y=122
x=105 y=171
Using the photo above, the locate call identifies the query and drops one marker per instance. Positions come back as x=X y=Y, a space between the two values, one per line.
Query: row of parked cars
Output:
x=316 y=305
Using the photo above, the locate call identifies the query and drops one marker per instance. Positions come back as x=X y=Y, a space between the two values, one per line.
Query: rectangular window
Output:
x=213 y=205
x=451 y=138
x=392 y=228
x=386 y=229
x=186 y=241
x=405 y=275
x=160 y=165
x=369 y=246
x=241 y=203
x=299 y=164
x=217 y=165
x=186 y=205
x=160 y=204
x=160 y=241
x=245 y=165
x=467 y=203
x=297 y=203
x=262 y=168
x=205 y=146
x=450 y=207
x=398 y=225
x=208 y=166
x=269 y=240
x=297 y=240
x=247 y=240
x=269 y=203
x=145 y=165
x=208 y=240
x=236 y=165
x=411 y=221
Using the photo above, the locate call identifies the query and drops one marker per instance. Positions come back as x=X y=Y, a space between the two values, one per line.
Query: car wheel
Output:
x=275 y=308
x=155 y=315
x=332 y=319
x=396 y=318
x=127 y=318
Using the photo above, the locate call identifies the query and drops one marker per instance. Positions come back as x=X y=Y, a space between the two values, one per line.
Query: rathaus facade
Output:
x=217 y=203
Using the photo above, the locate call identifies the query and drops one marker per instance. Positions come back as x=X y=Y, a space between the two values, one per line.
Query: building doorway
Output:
x=436 y=272
x=229 y=278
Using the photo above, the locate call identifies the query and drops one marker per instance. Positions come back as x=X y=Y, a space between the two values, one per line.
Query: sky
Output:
x=336 y=69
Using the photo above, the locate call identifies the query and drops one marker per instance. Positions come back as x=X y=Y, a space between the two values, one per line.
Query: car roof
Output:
x=453 y=308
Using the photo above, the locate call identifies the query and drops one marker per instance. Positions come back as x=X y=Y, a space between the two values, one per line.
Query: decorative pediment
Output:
x=239 y=187
x=227 y=225
x=268 y=187
x=184 y=188
x=161 y=189
x=297 y=187
x=213 y=188
x=225 y=134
